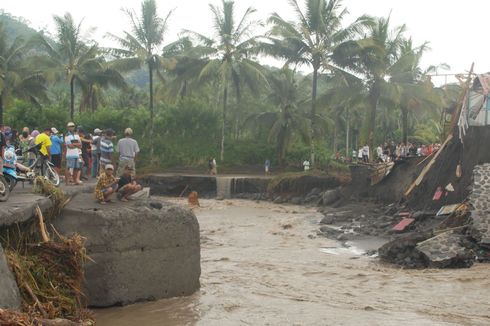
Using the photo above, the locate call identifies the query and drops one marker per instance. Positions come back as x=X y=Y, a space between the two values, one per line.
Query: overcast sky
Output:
x=455 y=30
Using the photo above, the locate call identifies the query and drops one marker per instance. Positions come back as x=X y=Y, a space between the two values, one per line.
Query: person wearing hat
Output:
x=127 y=185
x=106 y=185
x=128 y=149
x=73 y=149
x=31 y=155
x=56 y=149
x=95 y=149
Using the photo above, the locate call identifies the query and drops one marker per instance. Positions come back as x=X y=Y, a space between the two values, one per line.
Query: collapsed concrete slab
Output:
x=447 y=250
x=143 y=250
x=9 y=292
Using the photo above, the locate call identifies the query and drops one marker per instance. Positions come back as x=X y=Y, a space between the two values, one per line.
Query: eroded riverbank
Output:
x=262 y=264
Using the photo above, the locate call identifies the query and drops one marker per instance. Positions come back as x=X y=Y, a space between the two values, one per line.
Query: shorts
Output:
x=56 y=160
x=266 y=169
x=73 y=163
x=113 y=187
x=126 y=163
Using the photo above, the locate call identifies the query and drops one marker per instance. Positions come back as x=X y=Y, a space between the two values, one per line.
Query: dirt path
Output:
x=260 y=267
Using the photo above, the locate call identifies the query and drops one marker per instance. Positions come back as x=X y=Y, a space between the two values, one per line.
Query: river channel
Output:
x=262 y=264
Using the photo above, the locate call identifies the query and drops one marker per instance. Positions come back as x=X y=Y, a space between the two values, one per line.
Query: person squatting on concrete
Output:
x=106 y=185
x=126 y=185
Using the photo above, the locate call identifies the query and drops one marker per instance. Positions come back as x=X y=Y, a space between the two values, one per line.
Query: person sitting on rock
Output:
x=126 y=185
x=106 y=185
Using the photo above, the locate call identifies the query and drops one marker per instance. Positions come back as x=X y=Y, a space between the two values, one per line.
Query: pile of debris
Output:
x=460 y=239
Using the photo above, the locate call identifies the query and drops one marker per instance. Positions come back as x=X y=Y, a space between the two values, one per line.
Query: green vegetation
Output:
x=205 y=96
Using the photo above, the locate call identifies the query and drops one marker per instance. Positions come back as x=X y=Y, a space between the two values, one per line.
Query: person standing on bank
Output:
x=267 y=166
x=106 y=149
x=128 y=150
x=95 y=149
x=56 y=149
x=73 y=147
x=44 y=140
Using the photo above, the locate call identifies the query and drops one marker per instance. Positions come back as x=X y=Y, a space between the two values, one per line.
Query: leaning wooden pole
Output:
x=454 y=121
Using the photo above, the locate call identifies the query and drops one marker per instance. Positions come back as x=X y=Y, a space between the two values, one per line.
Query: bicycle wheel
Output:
x=51 y=175
x=11 y=181
x=4 y=190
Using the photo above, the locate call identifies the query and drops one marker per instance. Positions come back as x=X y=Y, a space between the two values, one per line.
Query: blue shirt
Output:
x=56 y=142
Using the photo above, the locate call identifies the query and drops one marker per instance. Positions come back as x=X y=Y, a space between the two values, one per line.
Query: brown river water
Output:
x=262 y=264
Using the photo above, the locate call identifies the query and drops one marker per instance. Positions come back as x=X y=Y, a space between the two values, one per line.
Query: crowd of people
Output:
x=85 y=156
x=390 y=151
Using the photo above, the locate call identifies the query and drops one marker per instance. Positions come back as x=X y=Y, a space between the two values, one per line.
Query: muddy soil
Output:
x=262 y=264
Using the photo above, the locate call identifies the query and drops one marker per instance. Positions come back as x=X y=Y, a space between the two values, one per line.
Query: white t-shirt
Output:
x=365 y=151
x=306 y=165
x=72 y=139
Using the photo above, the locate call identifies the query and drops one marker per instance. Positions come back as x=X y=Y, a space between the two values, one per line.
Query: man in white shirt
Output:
x=306 y=165
x=128 y=149
x=365 y=154
x=73 y=149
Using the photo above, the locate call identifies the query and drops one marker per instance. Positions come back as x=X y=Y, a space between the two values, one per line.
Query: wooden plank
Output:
x=427 y=168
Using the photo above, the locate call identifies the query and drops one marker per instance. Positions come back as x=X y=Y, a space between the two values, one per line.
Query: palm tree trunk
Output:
x=1 y=109
x=404 y=125
x=72 y=98
x=223 y=127
x=313 y=114
x=150 y=75
x=183 y=91
x=347 y=132
x=374 y=99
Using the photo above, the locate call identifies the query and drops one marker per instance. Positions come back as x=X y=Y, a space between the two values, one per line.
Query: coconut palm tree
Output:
x=311 y=40
x=290 y=120
x=230 y=59
x=17 y=77
x=345 y=95
x=68 y=55
x=377 y=59
x=94 y=81
x=141 y=46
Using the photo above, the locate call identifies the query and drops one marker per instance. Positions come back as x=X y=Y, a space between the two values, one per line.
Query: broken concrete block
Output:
x=447 y=250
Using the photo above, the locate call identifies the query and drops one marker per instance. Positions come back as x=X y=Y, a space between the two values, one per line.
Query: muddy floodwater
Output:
x=262 y=264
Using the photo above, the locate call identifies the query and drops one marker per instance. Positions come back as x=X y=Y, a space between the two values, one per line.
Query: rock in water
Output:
x=330 y=196
x=142 y=250
x=9 y=292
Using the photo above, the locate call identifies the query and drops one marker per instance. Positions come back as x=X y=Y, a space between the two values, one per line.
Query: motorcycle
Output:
x=4 y=189
x=14 y=171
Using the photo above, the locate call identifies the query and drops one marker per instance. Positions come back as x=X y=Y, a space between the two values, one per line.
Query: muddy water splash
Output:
x=263 y=265
x=223 y=187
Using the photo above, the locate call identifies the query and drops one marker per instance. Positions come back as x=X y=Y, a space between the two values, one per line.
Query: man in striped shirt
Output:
x=106 y=148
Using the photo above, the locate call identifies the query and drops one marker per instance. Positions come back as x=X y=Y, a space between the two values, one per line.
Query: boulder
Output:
x=328 y=219
x=142 y=250
x=330 y=196
x=402 y=250
x=9 y=292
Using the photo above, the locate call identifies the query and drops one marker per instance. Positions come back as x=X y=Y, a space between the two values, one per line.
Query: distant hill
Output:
x=16 y=26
